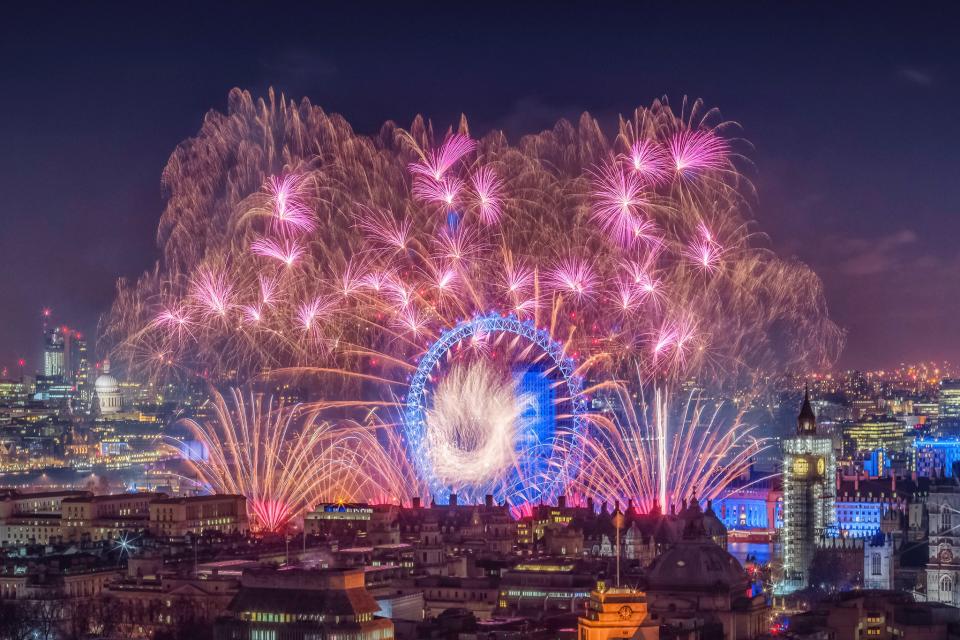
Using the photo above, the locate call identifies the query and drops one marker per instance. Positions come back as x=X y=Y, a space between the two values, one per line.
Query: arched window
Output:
x=945 y=517
x=946 y=584
x=875 y=564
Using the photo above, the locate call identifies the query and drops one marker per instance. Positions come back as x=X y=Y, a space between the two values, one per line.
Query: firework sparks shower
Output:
x=293 y=246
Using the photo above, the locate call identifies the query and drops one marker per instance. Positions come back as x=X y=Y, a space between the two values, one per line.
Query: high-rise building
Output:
x=81 y=369
x=809 y=497
x=948 y=421
x=879 y=433
x=53 y=353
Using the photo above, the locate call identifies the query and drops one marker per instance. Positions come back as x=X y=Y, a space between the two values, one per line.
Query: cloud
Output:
x=915 y=76
x=859 y=256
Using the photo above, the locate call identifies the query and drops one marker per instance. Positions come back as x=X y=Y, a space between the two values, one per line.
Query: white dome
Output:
x=107 y=391
x=106 y=384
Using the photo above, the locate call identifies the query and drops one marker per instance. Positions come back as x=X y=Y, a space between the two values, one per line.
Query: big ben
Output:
x=809 y=501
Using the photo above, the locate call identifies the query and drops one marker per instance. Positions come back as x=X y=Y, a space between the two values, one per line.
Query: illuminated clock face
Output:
x=821 y=466
x=625 y=612
x=946 y=555
x=801 y=466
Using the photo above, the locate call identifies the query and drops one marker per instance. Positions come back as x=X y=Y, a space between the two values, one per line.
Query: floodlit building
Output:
x=298 y=604
x=936 y=456
x=177 y=517
x=809 y=500
x=106 y=517
x=878 y=433
x=948 y=401
x=617 y=613
x=107 y=392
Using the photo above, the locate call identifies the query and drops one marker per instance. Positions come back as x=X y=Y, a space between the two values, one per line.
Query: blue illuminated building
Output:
x=877 y=464
x=936 y=456
x=750 y=511
x=860 y=518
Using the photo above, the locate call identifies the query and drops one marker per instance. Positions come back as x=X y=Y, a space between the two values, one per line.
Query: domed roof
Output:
x=106 y=383
x=696 y=565
x=711 y=523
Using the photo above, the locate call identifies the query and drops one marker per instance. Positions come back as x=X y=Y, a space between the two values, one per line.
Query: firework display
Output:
x=425 y=274
x=286 y=458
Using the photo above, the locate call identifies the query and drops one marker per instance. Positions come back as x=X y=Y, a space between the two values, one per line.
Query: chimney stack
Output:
x=488 y=500
x=415 y=503
x=562 y=502
x=453 y=499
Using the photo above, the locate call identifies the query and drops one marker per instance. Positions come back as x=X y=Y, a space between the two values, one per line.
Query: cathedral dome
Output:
x=106 y=384
x=107 y=391
x=696 y=565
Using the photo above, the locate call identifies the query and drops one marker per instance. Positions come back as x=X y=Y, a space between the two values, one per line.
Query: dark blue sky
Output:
x=850 y=110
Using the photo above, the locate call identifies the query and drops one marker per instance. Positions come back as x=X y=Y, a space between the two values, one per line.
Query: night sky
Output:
x=852 y=113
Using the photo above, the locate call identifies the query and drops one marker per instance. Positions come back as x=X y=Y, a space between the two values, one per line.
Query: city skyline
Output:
x=841 y=182
x=491 y=321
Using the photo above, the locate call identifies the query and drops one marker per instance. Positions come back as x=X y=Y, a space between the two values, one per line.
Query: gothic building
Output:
x=809 y=498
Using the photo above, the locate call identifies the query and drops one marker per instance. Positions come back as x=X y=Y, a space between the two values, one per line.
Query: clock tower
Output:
x=617 y=613
x=809 y=502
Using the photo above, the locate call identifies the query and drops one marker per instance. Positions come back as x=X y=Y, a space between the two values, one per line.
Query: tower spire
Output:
x=807 y=420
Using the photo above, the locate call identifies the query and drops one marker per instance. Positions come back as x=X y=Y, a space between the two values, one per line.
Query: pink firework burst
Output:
x=252 y=313
x=289 y=209
x=705 y=251
x=672 y=342
x=285 y=250
x=383 y=228
x=487 y=188
x=174 y=319
x=435 y=163
x=268 y=289
x=650 y=161
x=399 y=292
x=213 y=292
x=695 y=151
x=626 y=297
x=443 y=278
x=517 y=279
x=352 y=279
x=645 y=285
x=618 y=204
x=272 y=514
x=311 y=313
x=575 y=276
x=458 y=245
x=445 y=191
x=376 y=281
x=411 y=321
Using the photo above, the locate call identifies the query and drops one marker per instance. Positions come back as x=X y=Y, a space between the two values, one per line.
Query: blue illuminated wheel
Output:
x=551 y=463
